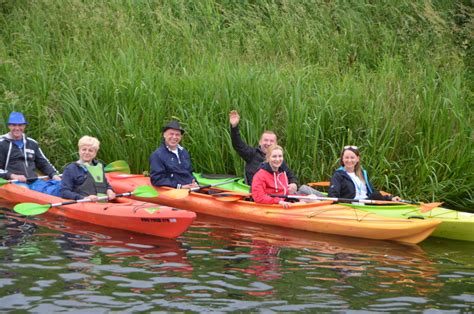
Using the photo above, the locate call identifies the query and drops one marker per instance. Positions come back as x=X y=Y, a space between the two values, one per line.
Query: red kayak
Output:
x=125 y=214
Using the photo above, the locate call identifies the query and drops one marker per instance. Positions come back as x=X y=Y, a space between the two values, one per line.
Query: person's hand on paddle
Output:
x=110 y=194
x=93 y=198
x=192 y=185
x=396 y=198
x=284 y=204
x=56 y=177
x=234 y=118
x=292 y=188
x=18 y=177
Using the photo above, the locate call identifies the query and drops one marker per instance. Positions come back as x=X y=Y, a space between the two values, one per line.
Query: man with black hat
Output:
x=21 y=156
x=170 y=163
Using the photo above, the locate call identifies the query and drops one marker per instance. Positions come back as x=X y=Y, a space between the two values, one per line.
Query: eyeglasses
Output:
x=351 y=147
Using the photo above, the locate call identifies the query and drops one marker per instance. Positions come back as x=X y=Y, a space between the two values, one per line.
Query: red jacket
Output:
x=267 y=182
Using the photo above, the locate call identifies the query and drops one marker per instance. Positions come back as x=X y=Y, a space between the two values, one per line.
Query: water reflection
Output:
x=52 y=264
x=264 y=252
x=83 y=242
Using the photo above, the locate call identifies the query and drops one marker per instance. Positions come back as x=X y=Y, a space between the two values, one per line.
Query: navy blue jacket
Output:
x=74 y=177
x=169 y=170
x=342 y=186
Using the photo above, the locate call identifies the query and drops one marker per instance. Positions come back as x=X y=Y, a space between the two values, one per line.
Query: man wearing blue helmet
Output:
x=21 y=156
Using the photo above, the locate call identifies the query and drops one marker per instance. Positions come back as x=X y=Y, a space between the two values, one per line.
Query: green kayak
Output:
x=456 y=225
x=211 y=179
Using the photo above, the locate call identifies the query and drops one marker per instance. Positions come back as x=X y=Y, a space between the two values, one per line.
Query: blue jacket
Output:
x=74 y=176
x=342 y=186
x=169 y=170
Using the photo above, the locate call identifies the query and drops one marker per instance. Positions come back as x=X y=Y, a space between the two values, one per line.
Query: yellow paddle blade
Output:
x=429 y=206
x=230 y=198
x=321 y=183
x=176 y=193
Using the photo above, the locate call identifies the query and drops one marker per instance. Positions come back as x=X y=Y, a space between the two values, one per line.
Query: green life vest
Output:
x=95 y=183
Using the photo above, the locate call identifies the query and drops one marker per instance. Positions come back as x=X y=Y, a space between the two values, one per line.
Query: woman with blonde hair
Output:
x=85 y=178
x=271 y=179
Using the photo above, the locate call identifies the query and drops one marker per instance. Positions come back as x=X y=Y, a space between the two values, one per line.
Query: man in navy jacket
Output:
x=170 y=163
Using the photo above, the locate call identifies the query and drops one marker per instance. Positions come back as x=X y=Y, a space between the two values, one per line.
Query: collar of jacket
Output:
x=266 y=166
x=166 y=146
x=9 y=137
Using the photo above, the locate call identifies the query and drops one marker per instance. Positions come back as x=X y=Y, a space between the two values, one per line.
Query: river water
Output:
x=50 y=264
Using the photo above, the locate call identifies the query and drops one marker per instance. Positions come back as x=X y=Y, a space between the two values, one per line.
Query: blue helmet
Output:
x=16 y=118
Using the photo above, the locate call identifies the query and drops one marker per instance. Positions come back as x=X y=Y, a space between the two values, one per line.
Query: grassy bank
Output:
x=390 y=77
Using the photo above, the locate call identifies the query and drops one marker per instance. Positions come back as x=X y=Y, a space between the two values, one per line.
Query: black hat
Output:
x=173 y=124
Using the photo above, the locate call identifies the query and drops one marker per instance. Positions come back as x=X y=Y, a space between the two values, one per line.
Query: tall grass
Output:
x=391 y=77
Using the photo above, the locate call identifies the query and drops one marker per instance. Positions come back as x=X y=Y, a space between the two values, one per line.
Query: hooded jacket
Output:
x=169 y=170
x=253 y=157
x=342 y=186
x=25 y=161
x=266 y=182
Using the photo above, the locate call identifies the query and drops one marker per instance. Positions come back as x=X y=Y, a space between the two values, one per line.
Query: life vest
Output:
x=94 y=183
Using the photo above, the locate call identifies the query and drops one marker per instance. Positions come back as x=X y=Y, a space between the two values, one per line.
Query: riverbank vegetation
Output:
x=392 y=77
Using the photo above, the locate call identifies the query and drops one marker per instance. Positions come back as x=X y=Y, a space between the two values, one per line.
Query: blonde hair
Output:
x=89 y=141
x=271 y=149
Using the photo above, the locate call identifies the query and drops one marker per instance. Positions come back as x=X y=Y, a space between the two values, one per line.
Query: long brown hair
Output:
x=357 y=168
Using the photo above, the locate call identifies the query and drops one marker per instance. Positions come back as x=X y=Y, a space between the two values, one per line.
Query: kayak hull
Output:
x=125 y=214
x=455 y=225
x=319 y=217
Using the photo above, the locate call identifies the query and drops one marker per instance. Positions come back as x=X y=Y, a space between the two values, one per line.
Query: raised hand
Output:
x=234 y=118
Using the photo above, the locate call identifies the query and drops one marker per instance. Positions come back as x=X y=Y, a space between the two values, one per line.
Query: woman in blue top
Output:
x=85 y=178
x=351 y=181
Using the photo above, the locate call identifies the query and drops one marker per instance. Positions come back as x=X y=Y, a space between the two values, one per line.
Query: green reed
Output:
x=390 y=77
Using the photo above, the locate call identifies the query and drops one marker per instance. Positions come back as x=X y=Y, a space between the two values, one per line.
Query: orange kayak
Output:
x=322 y=217
x=125 y=214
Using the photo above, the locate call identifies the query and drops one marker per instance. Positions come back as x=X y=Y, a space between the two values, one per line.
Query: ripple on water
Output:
x=222 y=268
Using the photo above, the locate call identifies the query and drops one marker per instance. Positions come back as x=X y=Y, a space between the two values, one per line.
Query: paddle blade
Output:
x=176 y=193
x=319 y=184
x=118 y=166
x=429 y=206
x=230 y=198
x=3 y=181
x=145 y=191
x=31 y=209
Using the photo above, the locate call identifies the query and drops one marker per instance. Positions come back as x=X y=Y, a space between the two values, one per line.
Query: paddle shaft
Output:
x=16 y=180
x=334 y=199
x=85 y=200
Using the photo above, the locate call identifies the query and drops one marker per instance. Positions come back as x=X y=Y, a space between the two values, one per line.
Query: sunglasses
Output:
x=351 y=147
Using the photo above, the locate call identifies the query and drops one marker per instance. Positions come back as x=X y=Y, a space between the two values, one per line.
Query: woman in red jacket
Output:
x=271 y=179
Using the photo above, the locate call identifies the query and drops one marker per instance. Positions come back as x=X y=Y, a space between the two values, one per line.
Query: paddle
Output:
x=3 y=181
x=115 y=166
x=182 y=193
x=231 y=196
x=118 y=166
x=29 y=209
x=320 y=184
x=423 y=207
